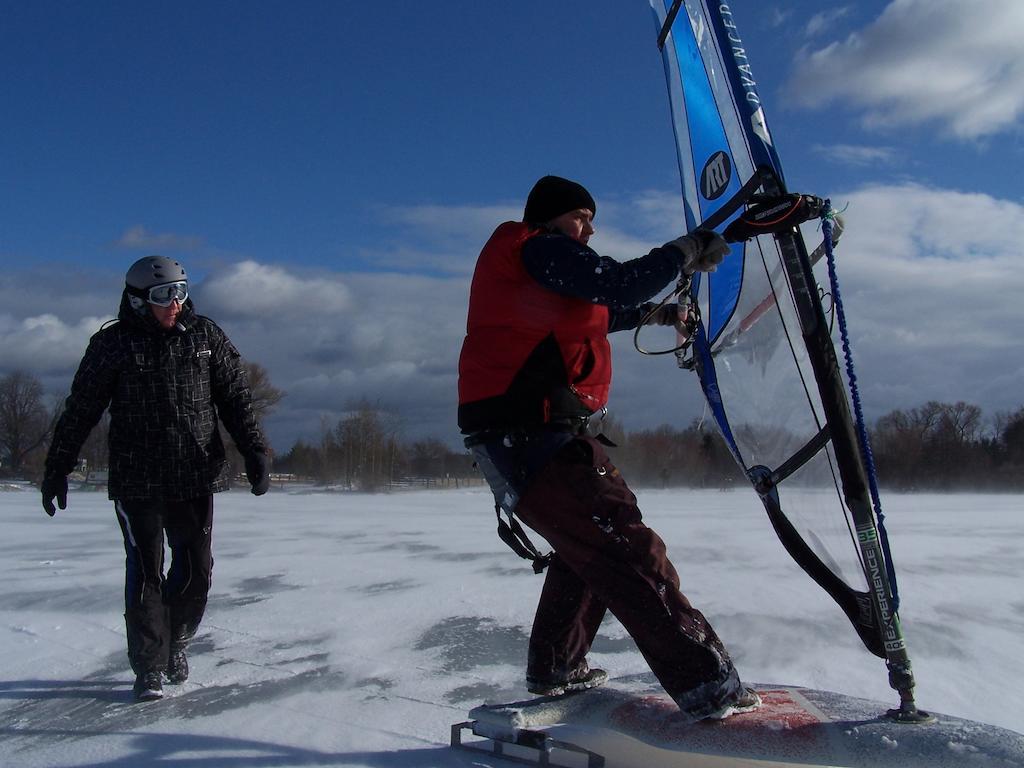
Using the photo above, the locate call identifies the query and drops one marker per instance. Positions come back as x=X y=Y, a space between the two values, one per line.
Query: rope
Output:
x=827 y=216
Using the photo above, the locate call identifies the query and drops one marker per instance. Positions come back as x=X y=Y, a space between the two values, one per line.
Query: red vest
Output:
x=528 y=350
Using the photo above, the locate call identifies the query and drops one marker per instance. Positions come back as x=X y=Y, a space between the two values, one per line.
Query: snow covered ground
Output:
x=353 y=630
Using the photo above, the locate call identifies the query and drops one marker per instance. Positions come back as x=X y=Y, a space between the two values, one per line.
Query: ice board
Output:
x=613 y=726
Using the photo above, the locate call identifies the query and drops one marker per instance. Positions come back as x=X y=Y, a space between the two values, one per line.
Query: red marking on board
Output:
x=781 y=726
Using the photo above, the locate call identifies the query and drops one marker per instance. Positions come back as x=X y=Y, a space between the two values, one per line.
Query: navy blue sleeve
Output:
x=572 y=269
x=626 y=319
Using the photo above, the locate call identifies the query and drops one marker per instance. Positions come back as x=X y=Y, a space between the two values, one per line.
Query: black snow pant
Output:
x=159 y=609
x=607 y=559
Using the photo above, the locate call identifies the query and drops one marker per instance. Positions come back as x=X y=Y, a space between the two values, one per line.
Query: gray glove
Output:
x=702 y=250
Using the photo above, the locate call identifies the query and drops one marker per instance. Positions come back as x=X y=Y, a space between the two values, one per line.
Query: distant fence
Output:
x=408 y=483
x=437 y=482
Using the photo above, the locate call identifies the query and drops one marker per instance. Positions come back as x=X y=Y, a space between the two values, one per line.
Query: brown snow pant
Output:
x=607 y=559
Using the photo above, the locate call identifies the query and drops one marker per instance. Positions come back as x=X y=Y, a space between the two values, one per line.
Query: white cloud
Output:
x=930 y=277
x=43 y=344
x=820 y=22
x=336 y=338
x=436 y=238
x=460 y=222
x=943 y=62
x=777 y=16
x=448 y=239
x=931 y=282
x=250 y=289
x=861 y=156
x=139 y=238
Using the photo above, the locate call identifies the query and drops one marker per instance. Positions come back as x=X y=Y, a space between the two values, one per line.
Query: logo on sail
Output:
x=716 y=175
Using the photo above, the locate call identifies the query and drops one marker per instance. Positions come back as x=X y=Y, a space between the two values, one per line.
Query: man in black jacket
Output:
x=167 y=375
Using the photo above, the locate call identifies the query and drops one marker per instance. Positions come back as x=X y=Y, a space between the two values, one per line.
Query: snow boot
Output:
x=580 y=679
x=747 y=700
x=148 y=685
x=177 y=663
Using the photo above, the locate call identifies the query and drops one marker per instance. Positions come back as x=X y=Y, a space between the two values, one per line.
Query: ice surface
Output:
x=353 y=630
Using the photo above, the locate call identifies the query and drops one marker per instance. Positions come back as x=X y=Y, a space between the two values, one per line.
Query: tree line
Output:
x=936 y=446
x=364 y=451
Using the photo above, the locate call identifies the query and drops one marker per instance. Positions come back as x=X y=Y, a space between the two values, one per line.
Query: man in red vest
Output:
x=535 y=365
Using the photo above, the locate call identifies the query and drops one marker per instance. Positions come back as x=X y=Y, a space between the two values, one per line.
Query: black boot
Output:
x=183 y=628
x=580 y=679
x=177 y=662
x=747 y=700
x=148 y=685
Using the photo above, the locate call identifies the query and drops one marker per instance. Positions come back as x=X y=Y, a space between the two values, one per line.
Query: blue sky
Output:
x=327 y=172
x=288 y=131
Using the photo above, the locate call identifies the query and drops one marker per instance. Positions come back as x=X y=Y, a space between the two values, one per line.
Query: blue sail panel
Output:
x=743 y=87
x=708 y=168
x=763 y=350
x=756 y=371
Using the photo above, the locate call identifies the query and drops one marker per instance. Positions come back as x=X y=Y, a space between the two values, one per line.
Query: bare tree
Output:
x=427 y=458
x=264 y=394
x=369 y=445
x=962 y=422
x=1009 y=448
x=1011 y=434
x=901 y=440
x=264 y=397
x=302 y=461
x=328 y=452
x=25 y=423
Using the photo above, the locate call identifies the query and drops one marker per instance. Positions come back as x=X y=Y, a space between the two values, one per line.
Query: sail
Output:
x=763 y=349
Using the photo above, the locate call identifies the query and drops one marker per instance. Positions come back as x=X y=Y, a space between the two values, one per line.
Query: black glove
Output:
x=702 y=250
x=257 y=470
x=54 y=485
x=667 y=314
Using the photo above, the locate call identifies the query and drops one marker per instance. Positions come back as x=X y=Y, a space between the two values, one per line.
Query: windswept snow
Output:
x=353 y=630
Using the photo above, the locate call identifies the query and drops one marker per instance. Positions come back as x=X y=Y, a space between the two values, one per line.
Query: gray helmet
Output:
x=154 y=270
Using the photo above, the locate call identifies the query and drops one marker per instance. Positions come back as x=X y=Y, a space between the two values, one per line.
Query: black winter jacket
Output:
x=165 y=391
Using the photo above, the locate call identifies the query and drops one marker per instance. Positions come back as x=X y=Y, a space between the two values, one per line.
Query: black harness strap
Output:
x=513 y=534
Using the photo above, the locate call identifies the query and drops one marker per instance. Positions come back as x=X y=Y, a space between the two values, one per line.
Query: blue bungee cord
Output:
x=827 y=216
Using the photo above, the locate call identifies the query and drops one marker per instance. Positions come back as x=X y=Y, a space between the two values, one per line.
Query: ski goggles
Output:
x=164 y=295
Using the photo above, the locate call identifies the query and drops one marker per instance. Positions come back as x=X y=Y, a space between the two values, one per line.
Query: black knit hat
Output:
x=552 y=196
